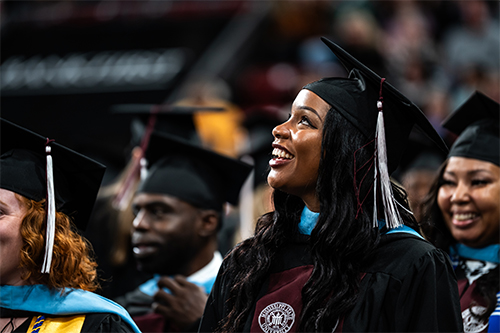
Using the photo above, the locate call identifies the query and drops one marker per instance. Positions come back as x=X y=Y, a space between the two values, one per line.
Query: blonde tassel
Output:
x=51 y=214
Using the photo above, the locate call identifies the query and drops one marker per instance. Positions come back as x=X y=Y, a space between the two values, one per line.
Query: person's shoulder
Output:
x=135 y=302
x=405 y=244
x=105 y=322
x=398 y=253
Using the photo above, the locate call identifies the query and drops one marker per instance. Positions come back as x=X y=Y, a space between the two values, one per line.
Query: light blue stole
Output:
x=489 y=253
x=402 y=228
x=39 y=298
x=204 y=278
x=308 y=220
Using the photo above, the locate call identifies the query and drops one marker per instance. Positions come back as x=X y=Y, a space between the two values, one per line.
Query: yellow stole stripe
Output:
x=71 y=324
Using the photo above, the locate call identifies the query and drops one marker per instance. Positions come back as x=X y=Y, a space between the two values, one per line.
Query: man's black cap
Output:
x=191 y=173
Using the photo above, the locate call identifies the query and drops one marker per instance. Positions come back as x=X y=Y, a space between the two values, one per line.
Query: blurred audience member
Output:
x=409 y=50
x=178 y=211
x=359 y=34
x=220 y=131
x=436 y=107
x=111 y=222
x=473 y=44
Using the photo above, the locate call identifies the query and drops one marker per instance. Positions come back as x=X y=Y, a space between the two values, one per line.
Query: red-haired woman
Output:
x=46 y=274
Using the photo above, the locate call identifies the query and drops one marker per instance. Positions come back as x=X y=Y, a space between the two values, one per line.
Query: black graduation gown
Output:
x=409 y=286
x=94 y=322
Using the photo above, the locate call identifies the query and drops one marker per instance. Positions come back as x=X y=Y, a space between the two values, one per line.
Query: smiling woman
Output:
x=469 y=198
x=47 y=275
x=463 y=211
x=341 y=251
x=295 y=162
x=11 y=214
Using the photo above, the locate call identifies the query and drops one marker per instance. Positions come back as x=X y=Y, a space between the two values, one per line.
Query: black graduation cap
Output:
x=356 y=99
x=173 y=119
x=191 y=173
x=382 y=114
x=476 y=122
x=77 y=178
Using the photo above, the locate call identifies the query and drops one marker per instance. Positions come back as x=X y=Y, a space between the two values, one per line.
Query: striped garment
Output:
x=494 y=323
x=38 y=324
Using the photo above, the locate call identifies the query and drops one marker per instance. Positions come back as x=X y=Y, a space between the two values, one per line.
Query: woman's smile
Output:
x=280 y=156
x=464 y=220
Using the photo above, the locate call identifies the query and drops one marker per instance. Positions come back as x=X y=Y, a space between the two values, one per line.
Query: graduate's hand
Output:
x=184 y=306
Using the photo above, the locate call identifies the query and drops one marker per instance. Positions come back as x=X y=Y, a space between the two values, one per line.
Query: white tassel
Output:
x=51 y=215
x=375 y=219
x=392 y=218
x=407 y=210
x=144 y=169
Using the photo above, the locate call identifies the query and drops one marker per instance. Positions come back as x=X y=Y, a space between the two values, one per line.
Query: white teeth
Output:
x=281 y=154
x=464 y=217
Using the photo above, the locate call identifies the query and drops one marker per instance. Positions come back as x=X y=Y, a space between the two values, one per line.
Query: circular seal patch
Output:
x=471 y=324
x=277 y=318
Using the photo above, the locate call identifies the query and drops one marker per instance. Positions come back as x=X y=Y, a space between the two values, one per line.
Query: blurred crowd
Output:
x=437 y=53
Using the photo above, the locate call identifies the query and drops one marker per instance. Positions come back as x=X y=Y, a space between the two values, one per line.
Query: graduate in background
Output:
x=47 y=276
x=111 y=222
x=179 y=210
x=463 y=216
x=341 y=252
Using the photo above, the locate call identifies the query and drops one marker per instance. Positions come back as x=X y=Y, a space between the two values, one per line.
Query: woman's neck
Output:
x=312 y=203
x=15 y=281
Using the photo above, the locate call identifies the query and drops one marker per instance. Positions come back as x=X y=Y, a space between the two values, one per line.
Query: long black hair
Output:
x=342 y=241
x=435 y=230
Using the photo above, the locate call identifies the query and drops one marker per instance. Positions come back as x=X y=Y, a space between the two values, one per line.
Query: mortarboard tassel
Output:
x=125 y=193
x=392 y=218
x=375 y=217
x=51 y=212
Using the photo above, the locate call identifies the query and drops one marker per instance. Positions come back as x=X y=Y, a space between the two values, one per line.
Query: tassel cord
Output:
x=51 y=211
x=391 y=213
x=125 y=192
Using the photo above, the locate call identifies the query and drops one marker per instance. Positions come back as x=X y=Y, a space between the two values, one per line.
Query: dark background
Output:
x=256 y=47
